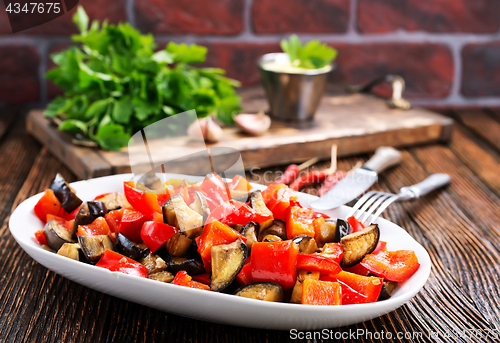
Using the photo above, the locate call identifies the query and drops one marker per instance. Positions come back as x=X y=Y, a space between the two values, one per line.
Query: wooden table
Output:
x=458 y=226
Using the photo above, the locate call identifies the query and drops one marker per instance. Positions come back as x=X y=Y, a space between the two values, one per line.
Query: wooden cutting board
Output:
x=357 y=123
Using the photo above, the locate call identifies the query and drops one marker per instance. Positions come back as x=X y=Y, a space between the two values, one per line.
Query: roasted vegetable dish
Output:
x=264 y=246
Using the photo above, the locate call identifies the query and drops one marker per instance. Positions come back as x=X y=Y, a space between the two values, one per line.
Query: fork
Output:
x=379 y=201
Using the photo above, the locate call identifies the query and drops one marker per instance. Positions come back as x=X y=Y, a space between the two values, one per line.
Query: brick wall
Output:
x=447 y=50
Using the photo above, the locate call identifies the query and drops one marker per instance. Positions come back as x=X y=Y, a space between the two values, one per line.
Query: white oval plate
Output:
x=211 y=306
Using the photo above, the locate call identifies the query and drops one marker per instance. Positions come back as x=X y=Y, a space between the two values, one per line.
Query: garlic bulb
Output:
x=210 y=130
x=253 y=124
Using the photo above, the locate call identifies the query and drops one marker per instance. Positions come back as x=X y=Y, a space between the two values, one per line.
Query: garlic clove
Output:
x=253 y=124
x=205 y=129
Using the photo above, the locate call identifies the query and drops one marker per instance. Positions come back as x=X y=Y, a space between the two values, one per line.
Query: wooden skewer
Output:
x=333 y=164
x=308 y=163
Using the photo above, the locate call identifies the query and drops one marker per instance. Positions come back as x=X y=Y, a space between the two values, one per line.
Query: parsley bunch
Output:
x=115 y=83
x=313 y=55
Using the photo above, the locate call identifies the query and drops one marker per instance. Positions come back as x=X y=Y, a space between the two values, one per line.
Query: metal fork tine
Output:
x=360 y=202
x=374 y=206
x=384 y=206
x=367 y=204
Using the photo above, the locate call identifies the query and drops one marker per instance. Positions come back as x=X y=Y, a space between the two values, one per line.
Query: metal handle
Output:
x=384 y=158
x=433 y=182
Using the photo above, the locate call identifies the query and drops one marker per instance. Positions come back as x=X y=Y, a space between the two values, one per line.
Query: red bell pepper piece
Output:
x=239 y=183
x=381 y=246
x=356 y=289
x=299 y=221
x=48 y=204
x=162 y=198
x=317 y=222
x=358 y=269
x=270 y=193
x=72 y=215
x=315 y=176
x=396 y=266
x=98 y=227
x=216 y=233
x=215 y=189
x=333 y=251
x=131 y=224
x=245 y=275
x=56 y=218
x=101 y=196
x=114 y=218
x=236 y=212
x=279 y=205
x=202 y=278
x=154 y=234
x=316 y=262
x=331 y=181
x=316 y=292
x=145 y=202
x=156 y=217
x=275 y=262
x=69 y=225
x=355 y=224
x=183 y=279
x=116 y=262
x=290 y=174
x=40 y=237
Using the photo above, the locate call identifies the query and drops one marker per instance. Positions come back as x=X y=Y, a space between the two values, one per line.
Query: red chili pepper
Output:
x=131 y=224
x=235 y=212
x=275 y=262
x=316 y=262
x=155 y=234
x=116 y=262
x=396 y=266
x=316 y=292
x=215 y=233
x=331 y=181
x=315 y=176
x=334 y=251
x=40 y=237
x=299 y=221
x=144 y=202
x=290 y=174
x=355 y=224
x=356 y=289
x=98 y=227
x=183 y=279
x=48 y=204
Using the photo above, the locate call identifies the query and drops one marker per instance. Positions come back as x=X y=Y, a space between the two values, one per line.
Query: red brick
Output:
x=426 y=68
x=114 y=11
x=19 y=74
x=294 y=16
x=239 y=59
x=480 y=70
x=474 y=16
x=223 y=17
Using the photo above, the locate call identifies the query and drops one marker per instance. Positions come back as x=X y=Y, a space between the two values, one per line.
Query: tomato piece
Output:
x=245 y=275
x=275 y=262
x=317 y=292
x=355 y=224
x=396 y=266
x=145 y=202
x=216 y=233
x=333 y=251
x=299 y=221
x=114 y=218
x=131 y=224
x=48 y=204
x=116 y=262
x=316 y=262
x=356 y=289
x=235 y=212
x=183 y=279
x=98 y=227
x=40 y=237
x=155 y=234
x=239 y=183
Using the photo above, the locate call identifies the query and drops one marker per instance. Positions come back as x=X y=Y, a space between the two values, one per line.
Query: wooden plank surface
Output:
x=357 y=123
x=459 y=227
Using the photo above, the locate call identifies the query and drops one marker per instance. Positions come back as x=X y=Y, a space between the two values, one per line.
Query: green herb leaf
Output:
x=81 y=19
x=187 y=53
x=122 y=110
x=313 y=55
x=97 y=108
x=73 y=125
x=112 y=137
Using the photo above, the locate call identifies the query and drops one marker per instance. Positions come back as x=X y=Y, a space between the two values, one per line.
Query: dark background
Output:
x=447 y=50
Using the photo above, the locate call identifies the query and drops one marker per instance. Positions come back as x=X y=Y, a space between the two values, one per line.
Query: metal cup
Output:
x=292 y=96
